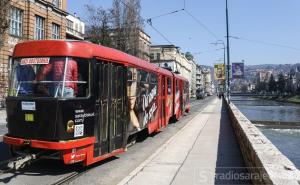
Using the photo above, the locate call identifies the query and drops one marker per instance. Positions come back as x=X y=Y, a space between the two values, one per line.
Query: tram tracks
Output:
x=69 y=178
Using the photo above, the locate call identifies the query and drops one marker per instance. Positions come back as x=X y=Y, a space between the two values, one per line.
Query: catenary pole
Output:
x=228 y=57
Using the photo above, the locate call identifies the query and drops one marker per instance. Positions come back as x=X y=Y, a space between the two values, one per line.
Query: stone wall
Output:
x=262 y=158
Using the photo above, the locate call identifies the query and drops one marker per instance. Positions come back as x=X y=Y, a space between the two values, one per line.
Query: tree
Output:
x=99 y=27
x=272 y=84
x=298 y=90
x=118 y=27
x=4 y=19
x=281 y=83
x=244 y=88
x=261 y=86
x=126 y=24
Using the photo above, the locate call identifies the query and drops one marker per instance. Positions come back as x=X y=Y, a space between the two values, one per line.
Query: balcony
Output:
x=74 y=34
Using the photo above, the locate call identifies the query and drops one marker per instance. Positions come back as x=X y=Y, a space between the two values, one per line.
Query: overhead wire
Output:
x=149 y=22
x=151 y=25
x=201 y=24
x=207 y=51
x=165 y=14
x=266 y=43
x=162 y=35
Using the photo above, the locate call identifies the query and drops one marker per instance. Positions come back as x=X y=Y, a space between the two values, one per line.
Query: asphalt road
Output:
x=110 y=171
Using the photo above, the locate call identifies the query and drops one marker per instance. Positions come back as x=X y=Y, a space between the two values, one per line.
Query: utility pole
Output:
x=228 y=58
x=224 y=60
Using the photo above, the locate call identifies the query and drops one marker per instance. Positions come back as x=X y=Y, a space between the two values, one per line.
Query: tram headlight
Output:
x=70 y=126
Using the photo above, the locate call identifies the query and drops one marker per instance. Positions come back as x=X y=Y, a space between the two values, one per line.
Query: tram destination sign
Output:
x=35 y=61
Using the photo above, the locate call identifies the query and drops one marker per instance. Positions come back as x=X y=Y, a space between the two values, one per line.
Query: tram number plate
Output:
x=78 y=131
x=27 y=105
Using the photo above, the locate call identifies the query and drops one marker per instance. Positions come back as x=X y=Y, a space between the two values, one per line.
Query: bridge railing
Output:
x=262 y=158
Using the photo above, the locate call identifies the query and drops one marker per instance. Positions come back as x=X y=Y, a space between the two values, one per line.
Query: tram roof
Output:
x=180 y=77
x=83 y=49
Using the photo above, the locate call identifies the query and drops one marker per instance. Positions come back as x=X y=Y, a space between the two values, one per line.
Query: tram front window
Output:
x=61 y=77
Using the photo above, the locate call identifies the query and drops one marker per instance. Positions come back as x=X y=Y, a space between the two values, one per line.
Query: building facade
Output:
x=293 y=80
x=193 y=82
x=193 y=85
x=199 y=79
x=75 y=27
x=208 y=88
x=169 y=56
x=30 y=20
x=144 y=46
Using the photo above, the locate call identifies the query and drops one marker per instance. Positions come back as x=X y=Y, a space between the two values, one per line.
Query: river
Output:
x=287 y=140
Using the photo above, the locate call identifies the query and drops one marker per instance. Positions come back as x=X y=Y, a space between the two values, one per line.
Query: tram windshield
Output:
x=59 y=77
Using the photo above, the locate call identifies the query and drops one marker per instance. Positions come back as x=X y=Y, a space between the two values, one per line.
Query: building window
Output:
x=55 y=31
x=70 y=25
x=76 y=27
x=39 y=28
x=16 y=19
x=151 y=56
x=157 y=56
x=80 y=28
x=57 y=3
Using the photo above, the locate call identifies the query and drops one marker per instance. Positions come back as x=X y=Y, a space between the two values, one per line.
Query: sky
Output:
x=262 y=31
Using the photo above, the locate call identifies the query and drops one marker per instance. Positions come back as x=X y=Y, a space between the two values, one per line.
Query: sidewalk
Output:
x=197 y=154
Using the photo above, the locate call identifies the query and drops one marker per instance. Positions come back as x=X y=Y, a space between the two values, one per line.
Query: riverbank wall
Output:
x=264 y=161
x=287 y=99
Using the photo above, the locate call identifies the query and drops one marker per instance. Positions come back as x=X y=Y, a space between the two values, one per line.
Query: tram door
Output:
x=163 y=102
x=180 y=83
x=110 y=106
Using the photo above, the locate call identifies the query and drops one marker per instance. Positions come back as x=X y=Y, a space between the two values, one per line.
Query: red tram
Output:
x=83 y=101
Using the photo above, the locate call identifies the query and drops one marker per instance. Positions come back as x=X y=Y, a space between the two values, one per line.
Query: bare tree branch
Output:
x=118 y=27
x=4 y=18
x=98 y=29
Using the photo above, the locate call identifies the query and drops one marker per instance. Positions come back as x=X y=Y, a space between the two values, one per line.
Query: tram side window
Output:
x=169 y=86
x=132 y=82
x=83 y=78
x=144 y=82
x=153 y=83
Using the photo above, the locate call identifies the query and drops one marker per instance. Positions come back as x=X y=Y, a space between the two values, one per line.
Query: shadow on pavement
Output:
x=49 y=167
x=230 y=167
x=4 y=154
